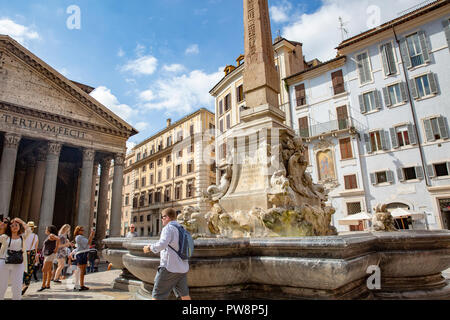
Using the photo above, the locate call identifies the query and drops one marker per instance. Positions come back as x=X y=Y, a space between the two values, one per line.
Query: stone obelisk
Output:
x=250 y=144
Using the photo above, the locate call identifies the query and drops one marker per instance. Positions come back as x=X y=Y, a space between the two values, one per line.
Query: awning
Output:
x=403 y=213
x=354 y=219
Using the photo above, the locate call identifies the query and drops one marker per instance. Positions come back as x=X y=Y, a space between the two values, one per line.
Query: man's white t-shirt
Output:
x=31 y=241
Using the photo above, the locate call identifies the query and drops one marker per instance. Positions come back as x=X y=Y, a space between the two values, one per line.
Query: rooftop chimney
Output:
x=169 y=122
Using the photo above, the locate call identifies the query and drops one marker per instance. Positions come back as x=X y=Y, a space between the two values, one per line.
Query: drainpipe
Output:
x=413 y=112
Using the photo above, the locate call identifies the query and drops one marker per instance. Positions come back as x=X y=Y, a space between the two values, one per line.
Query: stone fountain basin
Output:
x=115 y=251
x=310 y=267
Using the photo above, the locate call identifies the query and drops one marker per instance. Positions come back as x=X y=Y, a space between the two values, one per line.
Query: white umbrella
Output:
x=403 y=213
x=354 y=219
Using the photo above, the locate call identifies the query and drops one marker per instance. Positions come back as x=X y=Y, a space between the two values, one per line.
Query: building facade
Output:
x=54 y=137
x=169 y=170
x=376 y=119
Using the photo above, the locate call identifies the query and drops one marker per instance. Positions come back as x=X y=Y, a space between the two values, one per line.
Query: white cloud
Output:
x=141 y=126
x=185 y=93
x=19 y=32
x=120 y=53
x=104 y=96
x=280 y=13
x=145 y=65
x=174 y=68
x=64 y=72
x=192 y=49
x=130 y=146
x=319 y=31
x=146 y=95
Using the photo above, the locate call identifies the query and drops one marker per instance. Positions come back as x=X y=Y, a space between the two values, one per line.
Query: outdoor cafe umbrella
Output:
x=354 y=219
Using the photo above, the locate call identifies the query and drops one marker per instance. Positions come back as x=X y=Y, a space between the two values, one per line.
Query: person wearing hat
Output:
x=31 y=244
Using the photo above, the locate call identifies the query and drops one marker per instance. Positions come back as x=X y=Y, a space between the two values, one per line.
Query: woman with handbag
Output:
x=13 y=257
x=49 y=249
x=83 y=244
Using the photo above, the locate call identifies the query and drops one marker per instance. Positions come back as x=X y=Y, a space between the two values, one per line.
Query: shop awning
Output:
x=354 y=219
x=403 y=213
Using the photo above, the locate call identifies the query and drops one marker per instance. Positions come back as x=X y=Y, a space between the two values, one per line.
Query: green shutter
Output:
x=387 y=98
x=384 y=59
x=446 y=25
x=403 y=94
x=428 y=130
x=377 y=97
x=430 y=171
x=405 y=53
x=373 y=178
x=443 y=128
x=362 y=104
x=368 y=145
x=412 y=87
x=384 y=140
x=390 y=176
x=424 y=46
x=432 y=82
x=391 y=59
x=419 y=173
x=412 y=134
x=400 y=175
x=394 y=138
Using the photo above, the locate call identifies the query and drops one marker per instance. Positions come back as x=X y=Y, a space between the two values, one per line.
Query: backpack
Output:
x=185 y=243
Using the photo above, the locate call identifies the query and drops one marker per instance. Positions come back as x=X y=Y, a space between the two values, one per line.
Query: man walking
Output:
x=172 y=271
x=132 y=233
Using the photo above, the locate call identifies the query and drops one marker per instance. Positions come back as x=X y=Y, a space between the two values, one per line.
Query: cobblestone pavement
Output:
x=99 y=283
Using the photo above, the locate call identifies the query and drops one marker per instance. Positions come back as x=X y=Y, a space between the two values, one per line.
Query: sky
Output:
x=150 y=60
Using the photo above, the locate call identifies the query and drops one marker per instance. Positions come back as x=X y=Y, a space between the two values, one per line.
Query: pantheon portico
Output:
x=54 y=138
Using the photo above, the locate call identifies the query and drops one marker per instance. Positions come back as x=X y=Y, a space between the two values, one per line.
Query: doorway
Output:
x=444 y=205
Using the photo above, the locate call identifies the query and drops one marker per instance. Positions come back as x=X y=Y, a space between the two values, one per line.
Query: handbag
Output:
x=14 y=257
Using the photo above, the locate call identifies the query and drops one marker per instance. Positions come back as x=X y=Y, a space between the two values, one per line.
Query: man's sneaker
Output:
x=83 y=288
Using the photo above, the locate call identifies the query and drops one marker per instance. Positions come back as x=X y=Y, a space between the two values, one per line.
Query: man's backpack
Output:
x=185 y=243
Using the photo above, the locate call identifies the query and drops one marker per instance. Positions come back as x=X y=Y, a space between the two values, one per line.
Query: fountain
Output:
x=268 y=235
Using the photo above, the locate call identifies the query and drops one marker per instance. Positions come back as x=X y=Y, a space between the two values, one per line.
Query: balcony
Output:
x=327 y=128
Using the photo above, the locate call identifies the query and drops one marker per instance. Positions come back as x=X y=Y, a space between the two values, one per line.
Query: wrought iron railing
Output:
x=328 y=127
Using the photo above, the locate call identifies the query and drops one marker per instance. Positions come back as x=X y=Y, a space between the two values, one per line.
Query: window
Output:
x=446 y=25
x=338 y=82
x=127 y=199
x=180 y=154
x=403 y=136
x=223 y=150
x=363 y=64
x=346 y=148
x=191 y=148
x=128 y=180
x=150 y=197
x=168 y=158
x=178 y=190
x=300 y=95
x=395 y=94
x=190 y=189
x=414 y=50
x=370 y=101
x=423 y=86
x=160 y=146
x=350 y=182
x=191 y=130
x=179 y=170
x=158 y=196
x=141 y=201
x=144 y=168
x=221 y=125
x=180 y=136
x=438 y=170
x=151 y=179
x=228 y=121
x=376 y=141
x=143 y=182
x=220 y=107
x=435 y=128
x=134 y=219
x=190 y=166
x=159 y=162
x=388 y=59
x=304 y=127
x=240 y=93
x=151 y=165
x=342 y=116
x=135 y=202
x=168 y=174
x=410 y=173
x=381 y=177
x=353 y=207
x=142 y=232
x=159 y=176
x=136 y=184
x=138 y=157
x=167 y=194
x=227 y=101
x=169 y=141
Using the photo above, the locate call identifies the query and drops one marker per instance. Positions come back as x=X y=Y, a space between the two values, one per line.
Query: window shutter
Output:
x=220 y=107
x=377 y=96
x=412 y=86
x=300 y=94
x=412 y=134
x=394 y=138
x=446 y=25
x=373 y=178
x=391 y=59
x=362 y=75
x=403 y=91
x=368 y=145
x=430 y=171
x=384 y=140
x=390 y=176
x=405 y=53
x=432 y=82
x=361 y=103
x=419 y=173
x=237 y=95
x=443 y=128
x=428 y=130
x=384 y=58
x=400 y=174
x=387 y=99
x=424 y=46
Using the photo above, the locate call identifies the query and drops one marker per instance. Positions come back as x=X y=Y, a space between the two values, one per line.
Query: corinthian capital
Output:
x=88 y=154
x=119 y=159
x=12 y=141
x=105 y=163
x=54 y=148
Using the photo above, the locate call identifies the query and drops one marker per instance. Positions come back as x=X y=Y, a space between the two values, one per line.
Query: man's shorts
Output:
x=82 y=258
x=166 y=281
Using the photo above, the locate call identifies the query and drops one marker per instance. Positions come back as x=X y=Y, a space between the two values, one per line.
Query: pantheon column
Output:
x=94 y=184
x=49 y=190
x=102 y=208
x=84 y=202
x=7 y=169
x=18 y=185
x=28 y=188
x=38 y=184
x=116 y=197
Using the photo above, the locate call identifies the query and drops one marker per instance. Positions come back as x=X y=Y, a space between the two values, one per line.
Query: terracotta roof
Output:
x=318 y=66
x=395 y=22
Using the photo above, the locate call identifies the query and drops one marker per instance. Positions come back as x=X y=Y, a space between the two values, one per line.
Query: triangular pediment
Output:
x=27 y=81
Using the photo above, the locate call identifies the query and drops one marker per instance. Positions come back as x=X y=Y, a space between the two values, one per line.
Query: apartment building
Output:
x=375 y=119
x=170 y=169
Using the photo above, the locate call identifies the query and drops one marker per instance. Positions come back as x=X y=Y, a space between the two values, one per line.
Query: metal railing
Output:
x=328 y=127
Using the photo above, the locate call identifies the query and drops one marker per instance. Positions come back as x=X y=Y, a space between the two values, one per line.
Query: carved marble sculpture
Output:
x=382 y=219
x=298 y=205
